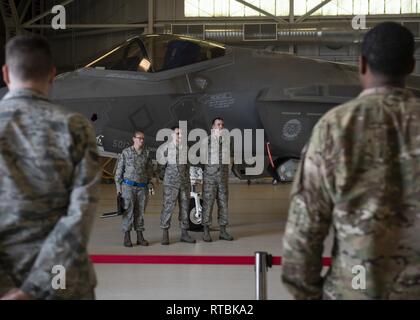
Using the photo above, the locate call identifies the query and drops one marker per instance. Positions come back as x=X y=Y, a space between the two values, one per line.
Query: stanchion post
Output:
x=263 y=261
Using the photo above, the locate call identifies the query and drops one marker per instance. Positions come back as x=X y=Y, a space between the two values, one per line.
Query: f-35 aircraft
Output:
x=153 y=81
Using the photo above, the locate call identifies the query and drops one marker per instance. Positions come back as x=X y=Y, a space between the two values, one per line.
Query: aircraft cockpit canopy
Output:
x=156 y=53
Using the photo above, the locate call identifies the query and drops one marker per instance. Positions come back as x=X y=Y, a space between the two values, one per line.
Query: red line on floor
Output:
x=204 y=260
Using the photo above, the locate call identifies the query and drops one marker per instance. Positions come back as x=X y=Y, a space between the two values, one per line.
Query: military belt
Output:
x=134 y=183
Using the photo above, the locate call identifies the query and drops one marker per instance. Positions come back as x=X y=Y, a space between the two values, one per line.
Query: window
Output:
x=232 y=8
x=282 y=8
x=157 y=53
x=127 y=57
x=300 y=7
x=376 y=7
x=361 y=6
x=169 y=51
x=344 y=7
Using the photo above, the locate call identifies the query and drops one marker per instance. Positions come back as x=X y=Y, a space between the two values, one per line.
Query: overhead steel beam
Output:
x=9 y=12
x=42 y=15
x=22 y=4
x=291 y=11
x=10 y=18
x=151 y=9
x=292 y=48
x=15 y=15
x=23 y=9
x=91 y=33
x=91 y=26
x=5 y=11
x=268 y=14
x=314 y=9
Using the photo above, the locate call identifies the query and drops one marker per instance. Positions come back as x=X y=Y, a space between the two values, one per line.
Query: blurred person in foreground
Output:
x=49 y=169
x=360 y=176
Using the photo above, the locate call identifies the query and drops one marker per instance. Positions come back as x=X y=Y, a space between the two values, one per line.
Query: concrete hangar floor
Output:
x=183 y=271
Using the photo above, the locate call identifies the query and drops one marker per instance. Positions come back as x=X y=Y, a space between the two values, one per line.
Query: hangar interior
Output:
x=320 y=29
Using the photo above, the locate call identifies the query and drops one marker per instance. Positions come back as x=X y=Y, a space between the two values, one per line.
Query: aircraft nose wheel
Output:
x=194 y=217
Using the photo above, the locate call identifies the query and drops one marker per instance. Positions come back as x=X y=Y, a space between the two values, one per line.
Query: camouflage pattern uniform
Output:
x=361 y=176
x=135 y=166
x=49 y=170
x=215 y=183
x=176 y=186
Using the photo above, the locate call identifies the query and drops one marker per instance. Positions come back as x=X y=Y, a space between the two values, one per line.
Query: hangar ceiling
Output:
x=314 y=28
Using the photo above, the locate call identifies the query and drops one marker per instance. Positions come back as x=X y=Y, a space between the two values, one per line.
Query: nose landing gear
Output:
x=196 y=203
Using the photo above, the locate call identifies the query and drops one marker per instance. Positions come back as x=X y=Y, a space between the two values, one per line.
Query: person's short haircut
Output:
x=29 y=57
x=215 y=119
x=136 y=132
x=389 y=49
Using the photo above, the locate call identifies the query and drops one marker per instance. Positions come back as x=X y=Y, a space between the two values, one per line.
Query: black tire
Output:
x=195 y=225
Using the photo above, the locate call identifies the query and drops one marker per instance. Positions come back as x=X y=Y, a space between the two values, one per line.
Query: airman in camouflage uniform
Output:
x=176 y=186
x=132 y=177
x=216 y=183
x=49 y=170
x=360 y=175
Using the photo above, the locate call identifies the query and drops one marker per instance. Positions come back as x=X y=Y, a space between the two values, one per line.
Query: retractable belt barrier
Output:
x=261 y=261
x=174 y=259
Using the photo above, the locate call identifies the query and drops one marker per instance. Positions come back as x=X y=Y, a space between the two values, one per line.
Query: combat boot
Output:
x=141 y=240
x=127 y=240
x=224 y=235
x=165 y=237
x=185 y=237
x=207 y=237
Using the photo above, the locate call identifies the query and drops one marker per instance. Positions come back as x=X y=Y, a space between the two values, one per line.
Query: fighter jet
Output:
x=153 y=81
